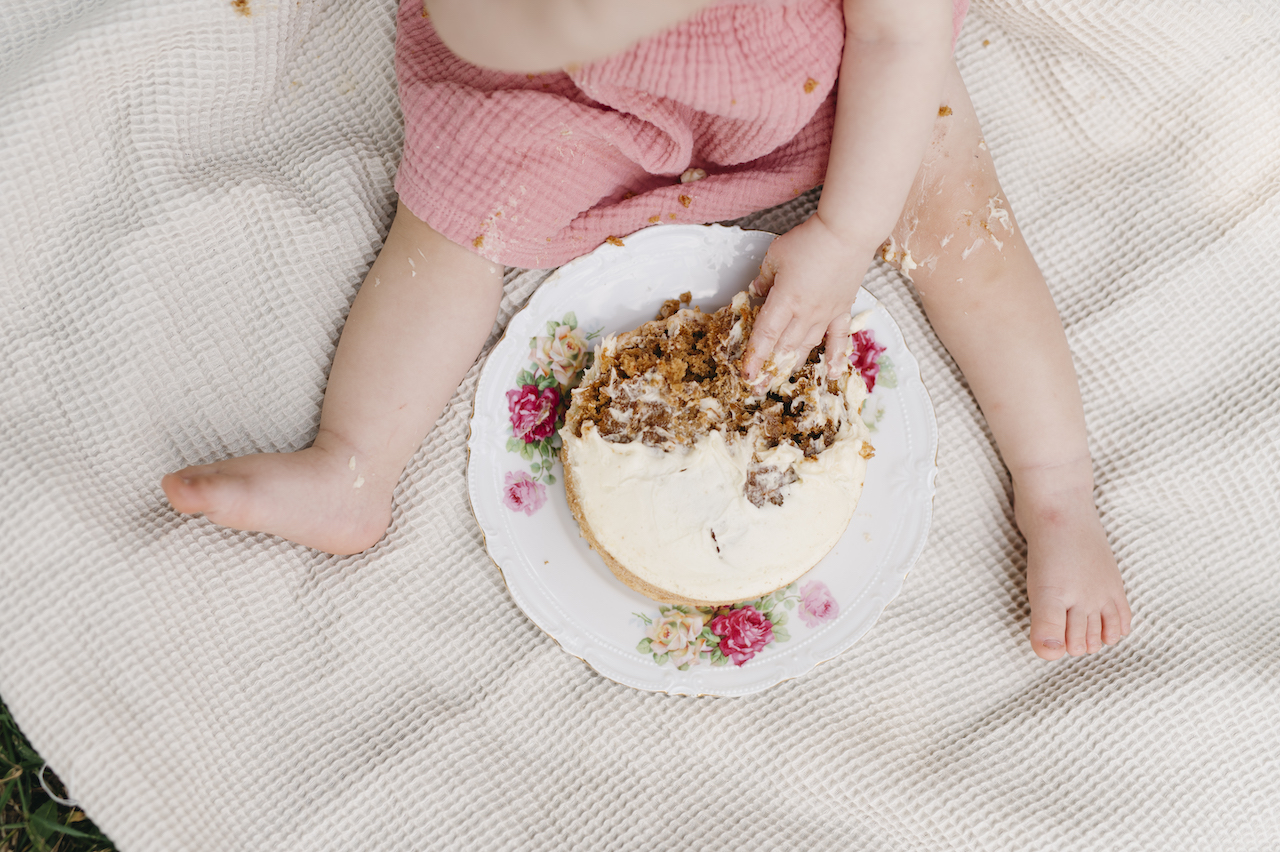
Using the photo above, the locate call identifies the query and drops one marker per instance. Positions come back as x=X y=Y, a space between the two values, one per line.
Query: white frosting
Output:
x=680 y=519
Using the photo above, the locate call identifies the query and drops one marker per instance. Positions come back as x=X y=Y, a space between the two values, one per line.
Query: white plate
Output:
x=563 y=585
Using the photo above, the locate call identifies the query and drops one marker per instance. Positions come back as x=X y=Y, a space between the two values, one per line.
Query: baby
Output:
x=536 y=129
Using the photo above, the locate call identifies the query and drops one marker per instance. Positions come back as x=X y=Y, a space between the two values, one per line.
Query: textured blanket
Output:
x=190 y=193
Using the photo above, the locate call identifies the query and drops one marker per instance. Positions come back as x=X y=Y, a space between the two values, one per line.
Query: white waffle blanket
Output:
x=190 y=194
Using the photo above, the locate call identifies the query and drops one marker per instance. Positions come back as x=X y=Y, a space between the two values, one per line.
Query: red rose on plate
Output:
x=866 y=357
x=743 y=632
x=533 y=413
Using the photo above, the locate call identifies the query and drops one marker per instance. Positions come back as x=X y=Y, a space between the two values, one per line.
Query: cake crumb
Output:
x=686 y=200
x=653 y=220
x=479 y=241
x=867 y=451
x=614 y=241
x=944 y=110
x=671 y=306
x=810 y=85
x=242 y=7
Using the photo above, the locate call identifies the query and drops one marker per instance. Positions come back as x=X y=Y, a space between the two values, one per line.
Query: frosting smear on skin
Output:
x=703 y=487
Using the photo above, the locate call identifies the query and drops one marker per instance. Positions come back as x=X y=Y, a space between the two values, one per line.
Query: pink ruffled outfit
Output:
x=535 y=170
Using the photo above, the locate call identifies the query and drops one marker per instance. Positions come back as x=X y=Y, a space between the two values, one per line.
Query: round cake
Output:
x=697 y=487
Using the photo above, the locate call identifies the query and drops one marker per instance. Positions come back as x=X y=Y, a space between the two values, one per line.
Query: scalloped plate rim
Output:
x=531 y=593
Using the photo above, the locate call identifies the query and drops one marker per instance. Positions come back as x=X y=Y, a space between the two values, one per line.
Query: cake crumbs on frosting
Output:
x=678 y=378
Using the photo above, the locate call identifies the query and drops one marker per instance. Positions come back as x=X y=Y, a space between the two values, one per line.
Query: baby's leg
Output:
x=991 y=308
x=415 y=327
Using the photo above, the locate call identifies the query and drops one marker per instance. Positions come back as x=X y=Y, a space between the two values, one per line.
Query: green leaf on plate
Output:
x=888 y=375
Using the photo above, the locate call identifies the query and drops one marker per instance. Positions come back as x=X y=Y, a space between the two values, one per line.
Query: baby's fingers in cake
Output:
x=772 y=321
x=839 y=349
x=799 y=338
x=763 y=282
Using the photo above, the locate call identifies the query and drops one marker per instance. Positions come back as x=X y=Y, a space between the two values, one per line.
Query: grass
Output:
x=30 y=821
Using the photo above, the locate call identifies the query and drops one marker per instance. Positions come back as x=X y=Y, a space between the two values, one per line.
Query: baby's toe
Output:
x=184 y=491
x=1093 y=633
x=195 y=489
x=1112 y=626
x=1048 y=630
x=1077 y=627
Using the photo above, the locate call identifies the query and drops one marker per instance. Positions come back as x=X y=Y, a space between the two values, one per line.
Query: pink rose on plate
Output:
x=866 y=356
x=676 y=634
x=533 y=412
x=523 y=494
x=817 y=604
x=743 y=632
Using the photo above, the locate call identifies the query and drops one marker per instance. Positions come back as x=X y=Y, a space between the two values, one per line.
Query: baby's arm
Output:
x=529 y=36
x=896 y=57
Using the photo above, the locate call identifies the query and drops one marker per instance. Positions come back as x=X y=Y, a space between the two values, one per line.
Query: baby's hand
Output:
x=810 y=278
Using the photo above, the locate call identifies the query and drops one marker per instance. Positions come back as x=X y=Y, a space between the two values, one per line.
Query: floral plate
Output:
x=564 y=587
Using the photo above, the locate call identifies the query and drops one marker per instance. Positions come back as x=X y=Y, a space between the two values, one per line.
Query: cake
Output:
x=697 y=487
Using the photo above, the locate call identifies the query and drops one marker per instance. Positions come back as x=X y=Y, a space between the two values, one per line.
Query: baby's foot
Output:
x=319 y=497
x=1077 y=597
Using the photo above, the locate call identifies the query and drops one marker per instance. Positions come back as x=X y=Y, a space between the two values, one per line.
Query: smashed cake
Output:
x=698 y=487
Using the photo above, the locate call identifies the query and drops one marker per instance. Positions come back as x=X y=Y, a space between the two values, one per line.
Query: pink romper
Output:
x=533 y=170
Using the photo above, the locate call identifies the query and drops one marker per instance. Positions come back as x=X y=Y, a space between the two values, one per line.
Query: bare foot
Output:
x=1077 y=597
x=319 y=497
